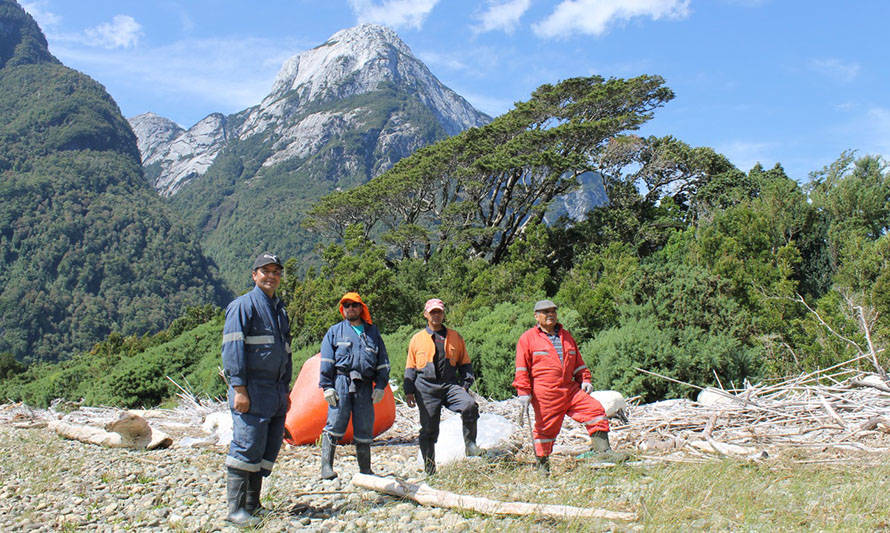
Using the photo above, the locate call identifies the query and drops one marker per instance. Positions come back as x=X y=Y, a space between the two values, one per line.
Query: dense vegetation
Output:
x=86 y=246
x=695 y=269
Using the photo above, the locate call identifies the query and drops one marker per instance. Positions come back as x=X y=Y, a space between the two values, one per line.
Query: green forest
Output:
x=87 y=247
x=695 y=269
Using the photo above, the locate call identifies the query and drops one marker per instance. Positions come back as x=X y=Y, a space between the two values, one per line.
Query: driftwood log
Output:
x=127 y=431
x=425 y=495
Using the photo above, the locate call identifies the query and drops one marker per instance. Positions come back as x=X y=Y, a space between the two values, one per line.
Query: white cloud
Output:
x=435 y=60
x=393 y=13
x=502 y=16
x=594 y=17
x=744 y=154
x=835 y=69
x=122 y=32
x=222 y=74
x=41 y=14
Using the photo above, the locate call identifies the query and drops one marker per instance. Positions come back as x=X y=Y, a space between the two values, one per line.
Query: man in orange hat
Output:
x=354 y=373
x=438 y=373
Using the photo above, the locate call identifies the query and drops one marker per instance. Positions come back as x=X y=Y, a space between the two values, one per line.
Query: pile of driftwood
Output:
x=840 y=408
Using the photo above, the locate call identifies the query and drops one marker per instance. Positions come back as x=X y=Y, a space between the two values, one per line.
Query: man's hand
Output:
x=409 y=399
x=241 y=403
x=330 y=396
x=587 y=387
x=377 y=395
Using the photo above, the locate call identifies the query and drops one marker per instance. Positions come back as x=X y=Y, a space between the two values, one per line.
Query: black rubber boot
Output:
x=428 y=452
x=543 y=464
x=602 y=450
x=599 y=441
x=470 y=438
x=236 y=490
x=363 y=456
x=252 y=496
x=327 y=457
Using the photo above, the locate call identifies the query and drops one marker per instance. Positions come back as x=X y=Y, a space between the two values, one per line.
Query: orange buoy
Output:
x=309 y=411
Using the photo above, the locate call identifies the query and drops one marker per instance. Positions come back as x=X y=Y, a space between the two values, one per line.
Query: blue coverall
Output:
x=256 y=353
x=353 y=364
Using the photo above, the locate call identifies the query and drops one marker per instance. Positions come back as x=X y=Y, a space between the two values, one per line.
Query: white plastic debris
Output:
x=492 y=430
x=613 y=401
x=219 y=424
x=714 y=397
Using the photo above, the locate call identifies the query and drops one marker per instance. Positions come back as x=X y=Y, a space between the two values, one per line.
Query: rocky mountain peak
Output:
x=309 y=108
x=315 y=72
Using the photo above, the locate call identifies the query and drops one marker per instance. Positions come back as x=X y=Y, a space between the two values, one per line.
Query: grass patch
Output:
x=725 y=495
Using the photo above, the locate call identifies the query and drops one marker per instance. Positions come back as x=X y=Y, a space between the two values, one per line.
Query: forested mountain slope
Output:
x=86 y=245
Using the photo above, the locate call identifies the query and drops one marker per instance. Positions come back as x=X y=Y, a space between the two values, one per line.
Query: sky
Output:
x=769 y=81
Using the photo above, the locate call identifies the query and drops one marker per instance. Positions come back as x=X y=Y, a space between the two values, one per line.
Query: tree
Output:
x=484 y=186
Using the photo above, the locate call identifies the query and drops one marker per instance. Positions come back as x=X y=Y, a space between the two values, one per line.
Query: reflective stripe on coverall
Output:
x=343 y=351
x=256 y=354
x=555 y=387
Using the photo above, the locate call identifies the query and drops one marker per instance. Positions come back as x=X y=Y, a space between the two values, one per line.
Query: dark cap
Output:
x=540 y=305
x=266 y=258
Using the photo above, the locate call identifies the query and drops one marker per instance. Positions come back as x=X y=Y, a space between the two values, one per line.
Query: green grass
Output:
x=726 y=496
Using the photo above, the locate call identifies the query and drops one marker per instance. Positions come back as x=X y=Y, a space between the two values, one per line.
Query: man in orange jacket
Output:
x=553 y=378
x=438 y=373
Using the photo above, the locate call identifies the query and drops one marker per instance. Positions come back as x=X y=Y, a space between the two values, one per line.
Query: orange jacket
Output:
x=422 y=350
x=538 y=368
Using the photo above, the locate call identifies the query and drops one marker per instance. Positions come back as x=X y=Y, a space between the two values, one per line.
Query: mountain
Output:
x=576 y=204
x=337 y=115
x=86 y=245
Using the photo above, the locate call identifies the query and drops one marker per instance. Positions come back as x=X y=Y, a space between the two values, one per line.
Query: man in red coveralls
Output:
x=552 y=376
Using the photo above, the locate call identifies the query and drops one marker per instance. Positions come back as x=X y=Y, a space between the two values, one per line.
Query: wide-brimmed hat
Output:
x=354 y=297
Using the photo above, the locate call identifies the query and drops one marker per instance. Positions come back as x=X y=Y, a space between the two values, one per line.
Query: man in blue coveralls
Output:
x=256 y=356
x=354 y=373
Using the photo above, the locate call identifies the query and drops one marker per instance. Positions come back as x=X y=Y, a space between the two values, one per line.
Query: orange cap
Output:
x=354 y=297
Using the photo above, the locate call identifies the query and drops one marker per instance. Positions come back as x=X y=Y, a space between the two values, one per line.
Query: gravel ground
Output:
x=50 y=484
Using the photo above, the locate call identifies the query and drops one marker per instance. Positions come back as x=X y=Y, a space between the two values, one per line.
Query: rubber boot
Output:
x=602 y=450
x=428 y=452
x=252 y=496
x=327 y=457
x=470 y=439
x=236 y=490
x=363 y=456
x=543 y=464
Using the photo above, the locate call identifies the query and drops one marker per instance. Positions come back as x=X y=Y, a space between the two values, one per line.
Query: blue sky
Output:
x=793 y=82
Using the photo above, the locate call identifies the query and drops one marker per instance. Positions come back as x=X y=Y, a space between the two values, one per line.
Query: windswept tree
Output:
x=484 y=186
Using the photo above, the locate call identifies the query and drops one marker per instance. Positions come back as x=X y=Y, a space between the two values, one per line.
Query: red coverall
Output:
x=555 y=387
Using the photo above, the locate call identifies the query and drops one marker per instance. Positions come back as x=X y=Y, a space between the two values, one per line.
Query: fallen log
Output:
x=128 y=431
x=426 y=495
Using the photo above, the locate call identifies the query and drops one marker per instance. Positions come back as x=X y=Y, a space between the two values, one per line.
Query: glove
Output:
x=524 y=401
x=330 y=396
x=377 y=395
x=587 y=387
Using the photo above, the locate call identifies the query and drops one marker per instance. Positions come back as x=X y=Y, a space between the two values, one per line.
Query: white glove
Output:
x=330 y=396
x=377 y=395
x=524 y=401
x=587 y=387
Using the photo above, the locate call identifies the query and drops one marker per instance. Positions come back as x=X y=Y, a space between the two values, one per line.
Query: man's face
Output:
x=268 y=278
x=546 y=317
x=352 y=310
x=435 y=318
